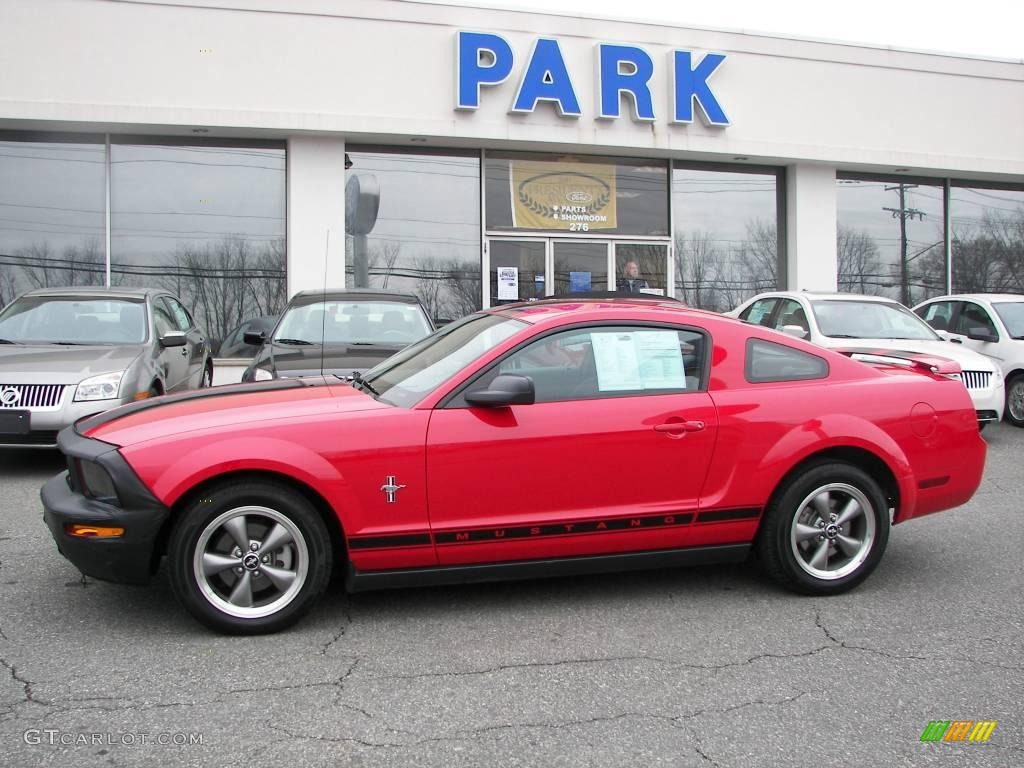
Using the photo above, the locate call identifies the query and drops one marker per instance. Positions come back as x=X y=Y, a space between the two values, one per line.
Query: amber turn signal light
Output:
x=93 y=531
x=141 y=396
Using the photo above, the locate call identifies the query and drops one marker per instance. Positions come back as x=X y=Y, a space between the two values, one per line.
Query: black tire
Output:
x=301 y=562
x=790 y=554
x=1015 y=400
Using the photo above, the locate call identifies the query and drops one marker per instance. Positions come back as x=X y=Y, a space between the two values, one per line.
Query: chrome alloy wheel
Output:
x=250 y=562
x=832 y=531
x=1015 y=399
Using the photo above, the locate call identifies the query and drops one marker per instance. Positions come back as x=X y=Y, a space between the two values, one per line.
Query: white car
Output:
x=991 y=324
x=850 y=320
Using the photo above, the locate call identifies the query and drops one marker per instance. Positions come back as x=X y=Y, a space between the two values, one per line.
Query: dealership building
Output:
x=237 y=151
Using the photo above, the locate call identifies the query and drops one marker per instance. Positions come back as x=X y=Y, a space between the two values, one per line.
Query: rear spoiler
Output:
x=916 y=360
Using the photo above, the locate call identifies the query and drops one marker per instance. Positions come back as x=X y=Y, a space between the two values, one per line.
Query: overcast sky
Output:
x=988 y=28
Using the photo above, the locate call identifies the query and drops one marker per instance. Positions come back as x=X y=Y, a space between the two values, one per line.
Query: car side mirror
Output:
x=506 y=389
x=254 y=338
x=794 y=330
x=978 y=333
x=173 y=339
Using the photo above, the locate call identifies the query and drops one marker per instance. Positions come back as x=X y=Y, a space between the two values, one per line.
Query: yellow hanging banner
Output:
x=576 y=197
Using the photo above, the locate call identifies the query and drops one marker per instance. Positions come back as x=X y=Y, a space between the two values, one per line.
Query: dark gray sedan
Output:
x=71 y=352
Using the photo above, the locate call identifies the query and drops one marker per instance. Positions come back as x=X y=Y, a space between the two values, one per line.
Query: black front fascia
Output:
x=129 y=559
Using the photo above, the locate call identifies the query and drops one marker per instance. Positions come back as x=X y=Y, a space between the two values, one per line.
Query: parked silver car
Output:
x=71 y=352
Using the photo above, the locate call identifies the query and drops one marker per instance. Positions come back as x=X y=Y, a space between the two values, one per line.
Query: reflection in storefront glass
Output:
x=889 y=239
x=726 y=236
x=204 y=222
x=51 y=215
x=988 y=240
x=425 y=238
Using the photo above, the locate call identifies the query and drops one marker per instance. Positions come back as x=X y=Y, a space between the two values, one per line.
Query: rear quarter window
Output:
x=767 y=361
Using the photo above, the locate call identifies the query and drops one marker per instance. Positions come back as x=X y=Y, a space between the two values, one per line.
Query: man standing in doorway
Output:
x=631 y=282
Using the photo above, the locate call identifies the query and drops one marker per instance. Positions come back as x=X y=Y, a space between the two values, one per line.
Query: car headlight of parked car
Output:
x=103 y=387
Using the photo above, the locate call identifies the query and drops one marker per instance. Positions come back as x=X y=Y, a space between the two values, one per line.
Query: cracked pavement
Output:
x=695 y=667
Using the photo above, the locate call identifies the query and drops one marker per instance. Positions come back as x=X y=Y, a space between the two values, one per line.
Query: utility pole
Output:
x=903 y=213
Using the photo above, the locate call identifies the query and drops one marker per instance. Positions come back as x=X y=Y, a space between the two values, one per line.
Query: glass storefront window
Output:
x=988 y=239
x=890 y=238
x=641 y=267
x=726 y=235
x=52 y=222
x=576 y=194
x=425 y=237
x=206 y=222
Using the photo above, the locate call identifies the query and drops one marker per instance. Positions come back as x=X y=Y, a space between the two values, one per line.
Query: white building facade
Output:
x=237 y=151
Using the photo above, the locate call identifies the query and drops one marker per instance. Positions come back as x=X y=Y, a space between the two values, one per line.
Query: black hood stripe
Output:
x=92 y=422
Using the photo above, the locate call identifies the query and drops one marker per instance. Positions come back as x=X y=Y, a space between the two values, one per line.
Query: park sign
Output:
x=485 y=60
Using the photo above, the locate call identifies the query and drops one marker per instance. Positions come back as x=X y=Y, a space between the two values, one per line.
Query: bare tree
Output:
x=8 y=285
x=696 y=262
x=857 y=261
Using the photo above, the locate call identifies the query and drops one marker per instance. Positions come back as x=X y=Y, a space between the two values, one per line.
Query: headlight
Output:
x=96 y=481
x=262 y=374
x=103 y=387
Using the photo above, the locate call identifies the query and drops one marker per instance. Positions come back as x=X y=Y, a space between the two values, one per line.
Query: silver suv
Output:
x=66 y=353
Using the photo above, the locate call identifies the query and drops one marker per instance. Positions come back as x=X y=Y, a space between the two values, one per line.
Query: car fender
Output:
x=837 y=430
x=195 y=465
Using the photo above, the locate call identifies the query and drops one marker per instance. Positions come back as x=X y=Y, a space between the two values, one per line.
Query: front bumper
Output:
x=128 y=559
x=989 y=401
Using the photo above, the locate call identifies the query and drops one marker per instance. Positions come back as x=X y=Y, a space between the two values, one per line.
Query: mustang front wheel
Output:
x=249 y=557
x=826 y=530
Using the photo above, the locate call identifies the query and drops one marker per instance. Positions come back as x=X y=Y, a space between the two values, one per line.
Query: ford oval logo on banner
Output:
x=486 y=60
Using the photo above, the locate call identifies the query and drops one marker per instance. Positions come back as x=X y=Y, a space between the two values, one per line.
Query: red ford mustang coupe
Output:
x=555 y=437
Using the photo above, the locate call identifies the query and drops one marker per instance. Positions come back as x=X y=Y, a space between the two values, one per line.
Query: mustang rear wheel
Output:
x=1015 y=400
x=826 y=530
x=249 y=557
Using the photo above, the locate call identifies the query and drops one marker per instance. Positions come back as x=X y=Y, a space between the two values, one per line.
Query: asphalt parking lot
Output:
x=700 y=667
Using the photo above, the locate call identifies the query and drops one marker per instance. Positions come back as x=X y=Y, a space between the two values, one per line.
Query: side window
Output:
x=973 y=316
x=760 y=312
x=162 y=319
x=791 y=313
x=181 y=317
x=606 y=361
x=937 y=315
x=767 y=361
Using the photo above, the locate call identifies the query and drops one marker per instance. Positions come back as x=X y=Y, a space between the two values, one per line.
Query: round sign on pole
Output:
x=362 y=201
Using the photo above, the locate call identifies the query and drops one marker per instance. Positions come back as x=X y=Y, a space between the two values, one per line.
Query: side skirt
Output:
x=364 y=581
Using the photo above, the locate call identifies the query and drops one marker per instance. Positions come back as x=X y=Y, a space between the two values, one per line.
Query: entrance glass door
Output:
x=579 y=266
x=525 y=268
x=518 y=270
x=641 y=268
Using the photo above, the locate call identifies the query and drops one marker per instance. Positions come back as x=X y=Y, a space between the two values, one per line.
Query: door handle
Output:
x=957 y=341
x=679 y=427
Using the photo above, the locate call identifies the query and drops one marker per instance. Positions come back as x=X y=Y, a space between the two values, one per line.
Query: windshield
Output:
x=870 y=320
x=404 y=379
x=70 y=320
x=353 y=322
x=1012 y=314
